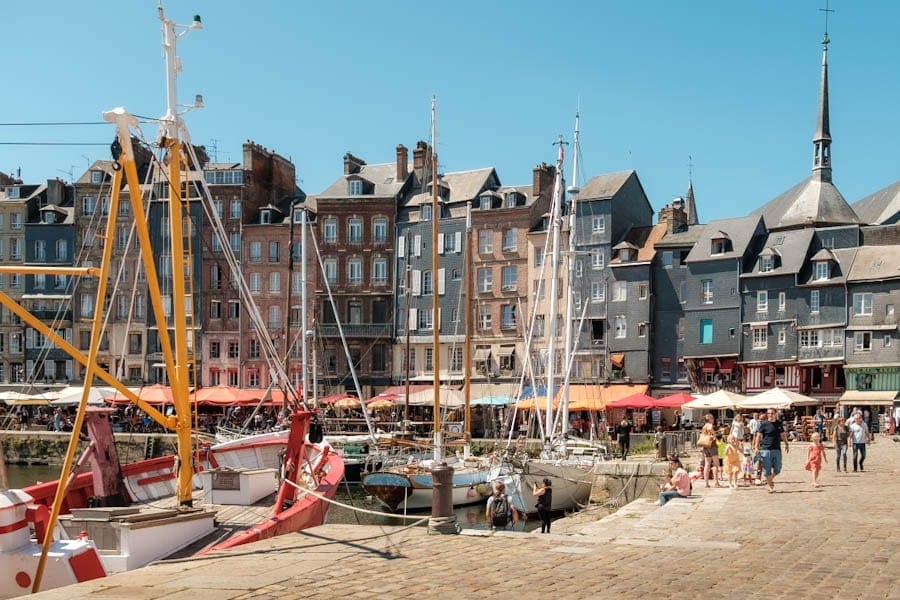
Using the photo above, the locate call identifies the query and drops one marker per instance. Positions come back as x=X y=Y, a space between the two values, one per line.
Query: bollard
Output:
x=443 y=519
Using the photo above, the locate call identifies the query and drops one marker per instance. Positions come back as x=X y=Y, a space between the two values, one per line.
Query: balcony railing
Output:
x=51 y=314
x=357 y=330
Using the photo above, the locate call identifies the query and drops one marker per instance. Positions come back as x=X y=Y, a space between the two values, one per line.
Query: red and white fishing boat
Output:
x=120 y=517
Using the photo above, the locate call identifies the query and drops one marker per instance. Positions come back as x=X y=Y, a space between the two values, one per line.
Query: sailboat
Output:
x=410 y=485
x=135 y=513
x=570 y=474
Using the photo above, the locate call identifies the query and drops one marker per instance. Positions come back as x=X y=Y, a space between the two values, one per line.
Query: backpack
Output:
x=500 y=511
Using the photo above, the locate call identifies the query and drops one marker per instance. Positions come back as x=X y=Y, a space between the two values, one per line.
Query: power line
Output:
x=57 y=123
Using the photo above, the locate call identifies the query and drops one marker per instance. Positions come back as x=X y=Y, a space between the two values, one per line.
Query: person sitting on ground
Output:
x=499 y=510
x=679 y=486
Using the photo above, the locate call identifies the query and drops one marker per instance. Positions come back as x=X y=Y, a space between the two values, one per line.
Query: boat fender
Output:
x=316 y=432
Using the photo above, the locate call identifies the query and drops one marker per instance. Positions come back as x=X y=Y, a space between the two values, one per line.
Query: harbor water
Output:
x=468 y=517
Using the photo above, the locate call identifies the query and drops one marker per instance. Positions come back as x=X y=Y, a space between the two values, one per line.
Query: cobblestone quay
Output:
x=836 y=541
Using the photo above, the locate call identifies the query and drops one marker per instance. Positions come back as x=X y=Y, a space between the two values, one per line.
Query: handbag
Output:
x=705 y=440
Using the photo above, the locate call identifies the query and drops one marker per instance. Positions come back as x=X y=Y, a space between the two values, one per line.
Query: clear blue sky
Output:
x=732 y=84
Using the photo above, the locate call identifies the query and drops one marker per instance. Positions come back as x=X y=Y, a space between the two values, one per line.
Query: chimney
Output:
x=56 y=192
x=420 y=160
x=402 y=163
x=542 y=185
x=352 y=164
x=674 y=216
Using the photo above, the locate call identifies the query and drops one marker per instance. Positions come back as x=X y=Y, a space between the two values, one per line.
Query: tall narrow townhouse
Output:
x=14 y=210
x=239 y=192
x=670 y=281
x=49 y=235
x=417 y=283
x=275 y=288
x=355 y=218
x=872 y=352
x=712 y=303
x=606 y=208
x=633 y=297
x=822 y=312
x=123 y=344
x=501 y=304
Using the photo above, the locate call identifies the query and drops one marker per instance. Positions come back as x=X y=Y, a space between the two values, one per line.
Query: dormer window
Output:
x=49 y=216
x=511 y=199
x=625 y=255
x=718 y=246
x=766 y=263
x=426 y=212
x=822 y=270
x=96 y=176
x=355 y=187
x=265 y=216
x=484 y=203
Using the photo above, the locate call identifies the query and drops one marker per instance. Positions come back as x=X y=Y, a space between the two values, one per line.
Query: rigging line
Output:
x=54 y=143
x=60 y=123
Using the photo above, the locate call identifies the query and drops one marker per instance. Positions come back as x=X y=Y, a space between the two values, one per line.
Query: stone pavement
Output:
x=841 y=540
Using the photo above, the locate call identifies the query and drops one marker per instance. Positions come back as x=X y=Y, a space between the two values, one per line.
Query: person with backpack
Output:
x=544 y=495
x=500 y=511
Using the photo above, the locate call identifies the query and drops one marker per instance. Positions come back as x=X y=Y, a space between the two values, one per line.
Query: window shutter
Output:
x=457 y=246
x=417 y=246
x=401 y=246
x=413 y=318
x=440 y=245
x=416 y=282
x=442 y=275
x=437 y=321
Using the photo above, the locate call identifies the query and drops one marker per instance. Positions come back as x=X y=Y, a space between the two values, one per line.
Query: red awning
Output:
x=727 y=364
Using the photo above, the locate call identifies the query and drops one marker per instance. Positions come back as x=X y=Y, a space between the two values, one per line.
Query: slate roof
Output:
x=874 y=263
x=687 y=237
x=604 y=186
x=739 y=230
x=382 y=176
x=843 y=259
x=882 y=207
x=790 y=246
x=812 y=202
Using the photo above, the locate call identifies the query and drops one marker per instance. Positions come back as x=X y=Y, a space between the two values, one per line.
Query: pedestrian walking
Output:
x=840 y=436
x=623 y=432
x=768 y=441
x=859 y=437
x=815 y=455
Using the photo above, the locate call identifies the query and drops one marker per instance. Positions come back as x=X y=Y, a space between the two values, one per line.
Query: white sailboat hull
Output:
x=572 y=482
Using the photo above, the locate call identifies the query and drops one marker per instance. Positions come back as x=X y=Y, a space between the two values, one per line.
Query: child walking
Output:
x=747 y=467
x=733 y=458
x=814 y=457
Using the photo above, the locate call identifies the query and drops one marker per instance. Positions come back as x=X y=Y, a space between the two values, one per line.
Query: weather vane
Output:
x=826 y=10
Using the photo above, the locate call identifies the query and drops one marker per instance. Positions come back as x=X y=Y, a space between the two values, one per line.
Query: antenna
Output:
x=826 y=10
x=214 y=146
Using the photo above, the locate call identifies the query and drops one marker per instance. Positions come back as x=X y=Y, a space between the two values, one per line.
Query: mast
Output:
x=467 y=344
x=435 y=304
x=569 y=350
x=555 y=218
x=171 y=126
x=304 y=342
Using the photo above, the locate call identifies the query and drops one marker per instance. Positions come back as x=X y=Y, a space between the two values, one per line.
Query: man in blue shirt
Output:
x=768 y=442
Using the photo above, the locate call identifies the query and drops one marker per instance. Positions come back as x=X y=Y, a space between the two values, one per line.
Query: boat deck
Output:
x=229 y=520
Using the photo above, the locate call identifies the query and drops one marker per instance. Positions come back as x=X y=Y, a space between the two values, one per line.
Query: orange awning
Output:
x=617 y=360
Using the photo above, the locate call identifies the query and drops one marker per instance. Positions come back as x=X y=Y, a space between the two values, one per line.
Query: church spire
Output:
x=822 y=138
